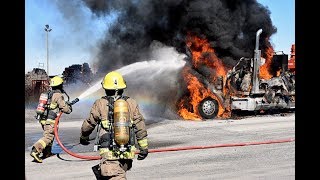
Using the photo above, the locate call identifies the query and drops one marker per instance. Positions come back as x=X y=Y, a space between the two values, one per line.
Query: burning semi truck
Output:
x=246 y=87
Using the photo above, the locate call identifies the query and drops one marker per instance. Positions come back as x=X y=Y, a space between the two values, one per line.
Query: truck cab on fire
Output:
x=246 y=91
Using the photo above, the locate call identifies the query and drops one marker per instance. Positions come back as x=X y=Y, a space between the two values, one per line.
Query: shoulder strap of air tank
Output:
x=111 y=107
x=50 y=93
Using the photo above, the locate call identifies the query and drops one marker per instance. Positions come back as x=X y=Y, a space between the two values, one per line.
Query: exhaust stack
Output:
x=256 y=65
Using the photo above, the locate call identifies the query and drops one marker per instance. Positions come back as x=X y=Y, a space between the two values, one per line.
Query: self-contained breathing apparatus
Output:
x=119 y=139
x=43 y=110
x=42 y=105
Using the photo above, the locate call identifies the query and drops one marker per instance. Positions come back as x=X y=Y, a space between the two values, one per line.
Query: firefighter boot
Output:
x=47 y=152
x=36 y=155
x=96 y=171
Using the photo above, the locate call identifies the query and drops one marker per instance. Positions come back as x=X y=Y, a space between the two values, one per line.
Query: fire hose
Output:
x=165 y=149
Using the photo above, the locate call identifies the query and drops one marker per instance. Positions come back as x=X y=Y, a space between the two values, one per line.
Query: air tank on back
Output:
x=121 y=122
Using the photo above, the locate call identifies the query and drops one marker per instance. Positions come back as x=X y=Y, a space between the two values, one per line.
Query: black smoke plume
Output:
x=229 y=25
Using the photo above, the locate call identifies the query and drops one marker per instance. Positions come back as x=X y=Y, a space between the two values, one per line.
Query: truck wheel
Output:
x=208 y=108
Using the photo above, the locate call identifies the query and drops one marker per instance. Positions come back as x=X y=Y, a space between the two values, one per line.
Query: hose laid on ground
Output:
x=64 y=148
x=165 y=149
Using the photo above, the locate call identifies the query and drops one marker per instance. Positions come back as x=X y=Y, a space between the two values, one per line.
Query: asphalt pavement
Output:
x=264 y=161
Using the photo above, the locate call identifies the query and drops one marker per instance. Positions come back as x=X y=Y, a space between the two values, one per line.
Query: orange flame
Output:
x=202 y=54
x=197 y=93
x=264 y=69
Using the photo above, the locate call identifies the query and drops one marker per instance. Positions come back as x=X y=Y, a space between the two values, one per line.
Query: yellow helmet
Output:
x=113 y=80
x=56 y=81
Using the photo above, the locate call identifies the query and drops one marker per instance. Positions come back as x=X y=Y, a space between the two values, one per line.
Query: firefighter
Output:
x=116 y=144
x=56 y=103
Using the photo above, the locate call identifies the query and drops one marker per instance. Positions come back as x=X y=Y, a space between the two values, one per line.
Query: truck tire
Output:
x=208 y=108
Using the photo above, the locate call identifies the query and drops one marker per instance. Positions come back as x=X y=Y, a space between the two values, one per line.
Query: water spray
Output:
x=158 y=66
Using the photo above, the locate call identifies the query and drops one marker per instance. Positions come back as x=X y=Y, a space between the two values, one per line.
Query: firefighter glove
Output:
x=70 y=108
x=142 y=154
x=69 y=104
x=84 y=140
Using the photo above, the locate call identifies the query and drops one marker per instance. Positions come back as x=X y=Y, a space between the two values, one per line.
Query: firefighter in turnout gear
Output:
x=53 y=105
x=121 y=126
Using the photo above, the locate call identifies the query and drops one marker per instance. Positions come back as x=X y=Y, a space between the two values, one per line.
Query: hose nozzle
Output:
x=74 y=101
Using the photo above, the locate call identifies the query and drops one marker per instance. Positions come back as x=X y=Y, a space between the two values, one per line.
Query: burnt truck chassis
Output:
x=247 y=92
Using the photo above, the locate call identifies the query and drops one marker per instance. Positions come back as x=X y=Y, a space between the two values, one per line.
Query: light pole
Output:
x=47 y=29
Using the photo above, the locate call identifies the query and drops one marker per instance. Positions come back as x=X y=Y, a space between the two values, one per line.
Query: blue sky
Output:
x=283 y=18
x=76 y=32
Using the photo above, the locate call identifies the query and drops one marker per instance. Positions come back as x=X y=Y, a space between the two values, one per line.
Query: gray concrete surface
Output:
x=268 y=161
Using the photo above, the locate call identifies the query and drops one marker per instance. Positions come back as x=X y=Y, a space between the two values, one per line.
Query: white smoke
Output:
x=153 y=83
